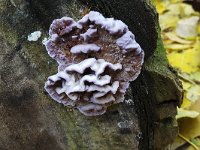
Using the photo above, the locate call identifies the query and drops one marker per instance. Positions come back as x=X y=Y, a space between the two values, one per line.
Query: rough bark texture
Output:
x=30 y=120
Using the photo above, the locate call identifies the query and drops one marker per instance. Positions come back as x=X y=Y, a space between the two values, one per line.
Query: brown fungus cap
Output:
x=97 y=58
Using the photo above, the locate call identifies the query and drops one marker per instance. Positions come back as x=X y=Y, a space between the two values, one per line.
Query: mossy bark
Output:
x=29 y=119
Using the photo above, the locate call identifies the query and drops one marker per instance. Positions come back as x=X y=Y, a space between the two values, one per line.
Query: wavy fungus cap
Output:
x=97 y=58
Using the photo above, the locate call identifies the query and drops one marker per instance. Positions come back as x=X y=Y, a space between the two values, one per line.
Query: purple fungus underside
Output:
x=97 y=59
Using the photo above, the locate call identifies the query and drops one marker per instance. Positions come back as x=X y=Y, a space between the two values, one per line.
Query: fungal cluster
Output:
x=97 y=58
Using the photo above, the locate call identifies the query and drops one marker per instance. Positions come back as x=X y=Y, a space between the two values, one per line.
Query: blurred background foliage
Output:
x=180 y=28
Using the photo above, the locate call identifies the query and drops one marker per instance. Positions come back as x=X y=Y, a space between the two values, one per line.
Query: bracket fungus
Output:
x=97 y=58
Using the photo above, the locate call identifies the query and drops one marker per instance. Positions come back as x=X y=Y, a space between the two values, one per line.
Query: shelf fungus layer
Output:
x=97 y=58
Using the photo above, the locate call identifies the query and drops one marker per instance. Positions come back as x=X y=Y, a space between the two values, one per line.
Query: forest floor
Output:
x=180 y=28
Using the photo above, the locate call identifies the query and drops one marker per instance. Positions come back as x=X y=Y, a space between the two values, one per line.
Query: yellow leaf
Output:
x=186 y=113
x=186 y=103
x=187 y=77
x=197 y=44
x=187 y=10
x=198 y=28
x=175 y=38
x=168 y=21
x=176 y=1
x=186 y=85
x=177 y=46
x=174 y=9
x=190 y=127
x=187 y=28
x=166 y=42
x=193 y=93
x=187 y=61
x=160 y=7
x=195 y=76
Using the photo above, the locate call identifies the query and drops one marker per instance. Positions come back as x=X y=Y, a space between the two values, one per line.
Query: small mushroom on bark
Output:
x=97 y=58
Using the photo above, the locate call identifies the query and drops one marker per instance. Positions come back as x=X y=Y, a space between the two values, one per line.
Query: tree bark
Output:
x=30 y=120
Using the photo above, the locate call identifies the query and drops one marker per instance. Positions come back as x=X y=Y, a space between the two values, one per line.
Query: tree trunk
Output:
x=30 y=120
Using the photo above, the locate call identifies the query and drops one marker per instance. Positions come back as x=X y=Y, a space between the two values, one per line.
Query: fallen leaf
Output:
x=177 y=46
x=175 y=38
x=187 y=77
x=198 y=29
x=176 y=1
x=186 y=85
x=187 y=28
x=187 y=61
x=195 y=76
x=187 y=10
x=186 y=103
x=182 y=113
x=178 y=29
x=197 y=44
x=193 y=93
x=190 y=127
x=161 y=7
x=168 y=21
x=174 y=9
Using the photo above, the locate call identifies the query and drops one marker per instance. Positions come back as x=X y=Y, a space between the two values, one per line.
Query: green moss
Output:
x=8 y=33
x=36 y=54
x=73 y=10
x=158 y=58
x=162 y=76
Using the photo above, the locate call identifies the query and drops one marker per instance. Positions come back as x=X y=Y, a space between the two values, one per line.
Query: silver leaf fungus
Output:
x=98 y=57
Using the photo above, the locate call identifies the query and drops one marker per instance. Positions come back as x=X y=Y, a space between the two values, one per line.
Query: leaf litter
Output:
x=180 y=28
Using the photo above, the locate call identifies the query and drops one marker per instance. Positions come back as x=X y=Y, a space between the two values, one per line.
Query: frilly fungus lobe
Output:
x=97 y=58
